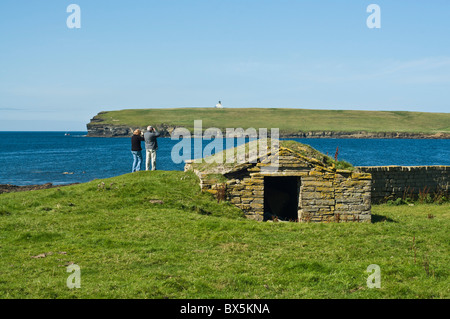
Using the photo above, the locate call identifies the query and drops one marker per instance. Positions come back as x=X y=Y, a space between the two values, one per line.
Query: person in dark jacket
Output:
x=136 y=150
x=151 y=145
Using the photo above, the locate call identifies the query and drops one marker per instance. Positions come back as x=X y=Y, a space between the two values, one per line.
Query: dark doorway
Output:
x=281 y=198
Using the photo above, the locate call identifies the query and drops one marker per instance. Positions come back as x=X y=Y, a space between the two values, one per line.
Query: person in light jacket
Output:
x=151 y=145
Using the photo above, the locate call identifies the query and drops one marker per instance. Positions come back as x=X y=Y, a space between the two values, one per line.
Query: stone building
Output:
x=306 y=186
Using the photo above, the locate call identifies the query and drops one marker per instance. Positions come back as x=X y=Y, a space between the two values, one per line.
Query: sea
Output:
x=30 y=158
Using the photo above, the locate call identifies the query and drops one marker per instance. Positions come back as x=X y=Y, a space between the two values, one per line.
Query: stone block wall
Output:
x=391 y=182
x=248 y=195
x=340 y=196
x=352 y=194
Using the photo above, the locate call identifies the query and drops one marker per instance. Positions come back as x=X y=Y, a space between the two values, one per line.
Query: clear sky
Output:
x=247 y=53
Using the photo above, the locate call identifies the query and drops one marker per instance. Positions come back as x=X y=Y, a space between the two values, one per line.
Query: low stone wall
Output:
x=391 y=182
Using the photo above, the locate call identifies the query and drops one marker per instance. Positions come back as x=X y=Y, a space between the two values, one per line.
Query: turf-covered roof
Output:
x=217 y=163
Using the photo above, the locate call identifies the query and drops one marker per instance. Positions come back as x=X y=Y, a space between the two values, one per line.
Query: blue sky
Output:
x=246 y=53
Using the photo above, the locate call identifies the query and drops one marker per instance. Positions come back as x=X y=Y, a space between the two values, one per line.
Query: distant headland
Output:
x=292 y=123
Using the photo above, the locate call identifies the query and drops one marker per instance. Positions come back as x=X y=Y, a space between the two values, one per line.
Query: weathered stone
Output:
x=318 y=183
x=258 y=201
x=257 y=206
x=246 y=193
x=324 y=189
x=325 y=202
x=235 y=200
x=316 y=173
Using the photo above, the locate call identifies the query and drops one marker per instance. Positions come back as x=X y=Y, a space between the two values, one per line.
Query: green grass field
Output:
x=155 y=235
x=287 y=120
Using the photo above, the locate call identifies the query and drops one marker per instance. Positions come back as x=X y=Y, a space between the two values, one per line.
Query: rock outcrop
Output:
x=98 y=130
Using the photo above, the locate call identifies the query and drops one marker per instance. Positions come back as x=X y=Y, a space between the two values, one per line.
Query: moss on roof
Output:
x=217 y=163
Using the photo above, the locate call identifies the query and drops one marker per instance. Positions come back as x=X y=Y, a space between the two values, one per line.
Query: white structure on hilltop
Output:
x=219 y=105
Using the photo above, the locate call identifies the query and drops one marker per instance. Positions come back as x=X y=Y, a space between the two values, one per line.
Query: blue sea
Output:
x=28 y=158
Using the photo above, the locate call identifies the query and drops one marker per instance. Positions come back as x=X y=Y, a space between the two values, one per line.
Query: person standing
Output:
x=151 y=145
x=136 y=150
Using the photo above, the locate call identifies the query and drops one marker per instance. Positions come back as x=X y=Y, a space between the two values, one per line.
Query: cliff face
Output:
x=96 y=128
x=124 y=131
x=108 y=131
x=362 y=134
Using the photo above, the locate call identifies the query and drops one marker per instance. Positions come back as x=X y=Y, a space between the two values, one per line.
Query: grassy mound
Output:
x=154 y=235
x=311 y=152
x=218 y=164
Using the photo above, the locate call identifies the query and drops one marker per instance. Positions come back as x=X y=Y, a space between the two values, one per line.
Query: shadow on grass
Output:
x=381 y=218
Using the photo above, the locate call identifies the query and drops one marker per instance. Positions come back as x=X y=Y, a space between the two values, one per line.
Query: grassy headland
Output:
x=289 y=121
x=155 y=235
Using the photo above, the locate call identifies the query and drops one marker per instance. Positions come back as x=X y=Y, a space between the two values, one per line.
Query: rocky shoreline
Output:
x=104 y=130
x=8 y=188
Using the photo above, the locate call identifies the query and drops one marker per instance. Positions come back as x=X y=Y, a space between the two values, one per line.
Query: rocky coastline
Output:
x=108 y=130
x=8 y=188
